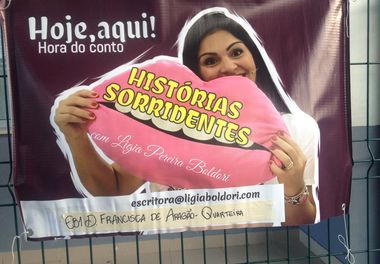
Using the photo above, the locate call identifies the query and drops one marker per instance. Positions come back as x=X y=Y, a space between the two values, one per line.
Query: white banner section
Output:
x=156 y=212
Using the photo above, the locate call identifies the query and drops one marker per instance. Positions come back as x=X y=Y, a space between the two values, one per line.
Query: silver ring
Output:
x=289 y=166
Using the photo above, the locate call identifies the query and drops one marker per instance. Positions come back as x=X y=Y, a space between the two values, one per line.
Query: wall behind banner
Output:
x=320 y=240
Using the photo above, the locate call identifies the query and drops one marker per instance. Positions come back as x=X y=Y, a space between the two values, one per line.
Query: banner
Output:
x=161 y=117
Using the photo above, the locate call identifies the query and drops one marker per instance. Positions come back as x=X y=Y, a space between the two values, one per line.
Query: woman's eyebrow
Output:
x=232 y=44
x=206 y=54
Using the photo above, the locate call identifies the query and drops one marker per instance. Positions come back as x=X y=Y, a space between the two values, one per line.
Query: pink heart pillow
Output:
x=164 y=124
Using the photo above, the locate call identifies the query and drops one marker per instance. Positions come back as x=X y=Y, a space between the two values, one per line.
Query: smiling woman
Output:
x=222 y=54
x=216 y=43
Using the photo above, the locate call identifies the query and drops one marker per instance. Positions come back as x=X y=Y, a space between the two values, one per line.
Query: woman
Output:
x=216 y=43
x=206 y=44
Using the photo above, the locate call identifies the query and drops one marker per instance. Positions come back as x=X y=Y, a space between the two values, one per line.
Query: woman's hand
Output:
x=291 y=174
x=293 y=160
x=74 y=112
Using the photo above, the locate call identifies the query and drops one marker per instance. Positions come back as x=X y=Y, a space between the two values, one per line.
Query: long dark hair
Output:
x=211 y=22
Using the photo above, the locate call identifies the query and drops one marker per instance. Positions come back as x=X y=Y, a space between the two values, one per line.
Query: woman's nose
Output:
x=227 y=67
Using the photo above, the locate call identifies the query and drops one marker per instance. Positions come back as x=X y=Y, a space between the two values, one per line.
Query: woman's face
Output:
x=221 y=54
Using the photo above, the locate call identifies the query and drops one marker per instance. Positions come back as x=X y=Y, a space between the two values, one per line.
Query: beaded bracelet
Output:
x=299 y=198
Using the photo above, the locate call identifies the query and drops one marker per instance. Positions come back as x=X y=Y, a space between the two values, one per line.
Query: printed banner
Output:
x=159 y=117
x=173 y=211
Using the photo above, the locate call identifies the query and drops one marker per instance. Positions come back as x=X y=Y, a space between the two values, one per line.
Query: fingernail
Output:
x=94 y=104
x=280 y=133
x=274 y=138
x=92 y=115
x=93 y=94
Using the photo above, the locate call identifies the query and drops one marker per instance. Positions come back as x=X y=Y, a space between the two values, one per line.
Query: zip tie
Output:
x=344 y=240
x=25 y=234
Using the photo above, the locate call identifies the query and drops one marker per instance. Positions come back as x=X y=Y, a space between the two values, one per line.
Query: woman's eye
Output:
x=209 y=61
x=236 y=52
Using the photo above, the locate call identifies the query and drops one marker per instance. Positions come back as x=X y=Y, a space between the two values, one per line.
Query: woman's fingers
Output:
x=77 y=105
x=282 y=156
x=286 y=149
x=293 y=160
x=278 y=171
x=74 y=115
x=68 y=118
x=75 y=111
x=86 y=94
x=82 y=98
x=287 y=144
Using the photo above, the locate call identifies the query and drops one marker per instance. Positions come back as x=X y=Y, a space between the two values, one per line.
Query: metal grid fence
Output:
x=307 y=244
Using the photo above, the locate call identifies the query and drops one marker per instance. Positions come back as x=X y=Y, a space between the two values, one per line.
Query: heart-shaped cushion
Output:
x=164 y=124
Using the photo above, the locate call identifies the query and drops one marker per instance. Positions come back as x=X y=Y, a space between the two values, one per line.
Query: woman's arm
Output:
x=97 y=176
x=300 y=214
x=291 y=174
